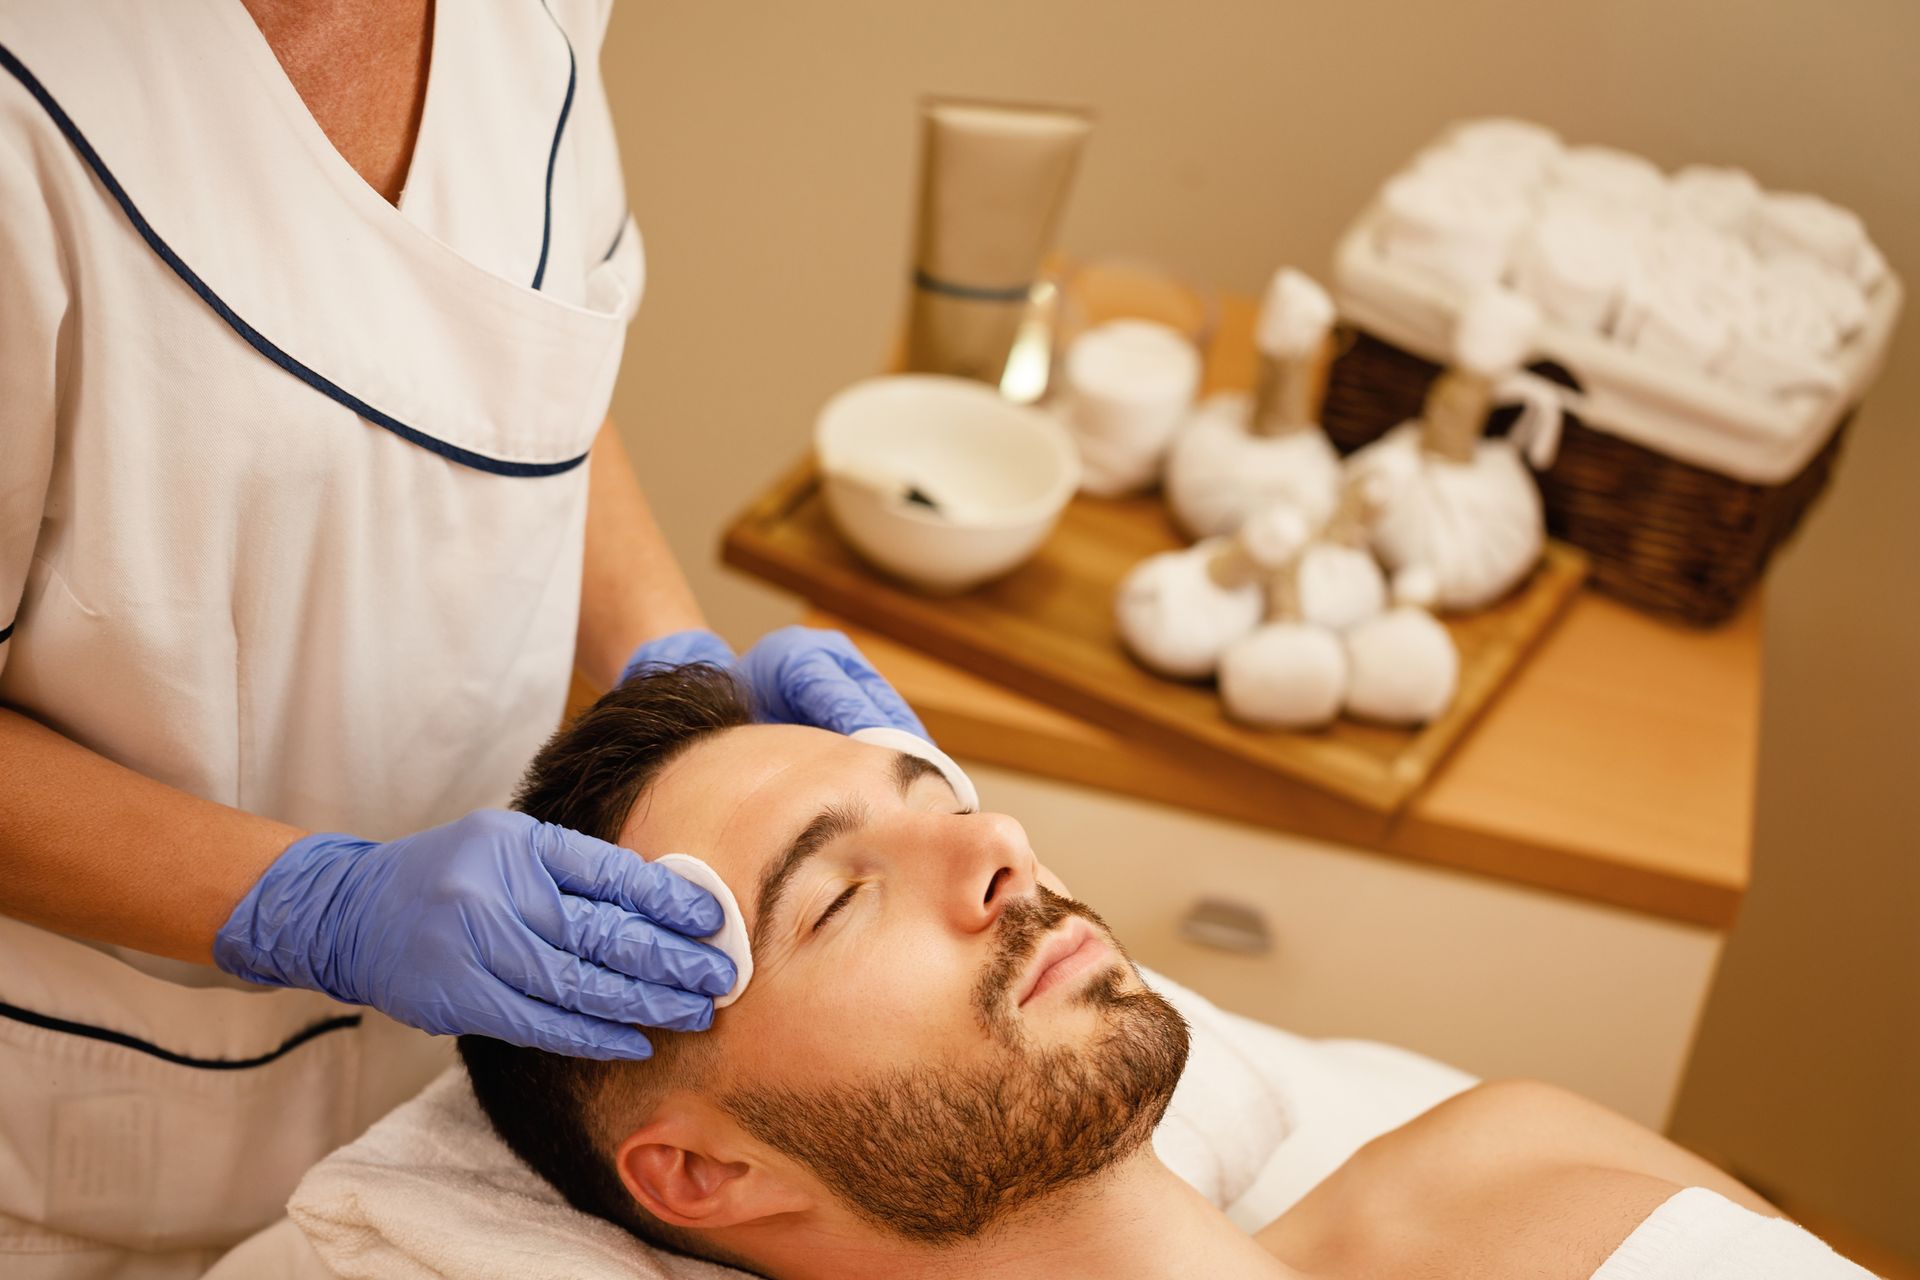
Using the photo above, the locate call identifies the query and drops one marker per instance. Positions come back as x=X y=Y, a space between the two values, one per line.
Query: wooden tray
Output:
x=1047 y=631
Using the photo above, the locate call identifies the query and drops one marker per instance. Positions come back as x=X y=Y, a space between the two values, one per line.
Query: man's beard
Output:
x=940 y=1154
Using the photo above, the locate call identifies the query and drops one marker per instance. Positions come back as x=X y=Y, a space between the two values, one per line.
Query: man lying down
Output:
x=946 y=1066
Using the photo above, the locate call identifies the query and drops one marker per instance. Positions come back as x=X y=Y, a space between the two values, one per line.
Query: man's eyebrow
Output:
x=842 y=818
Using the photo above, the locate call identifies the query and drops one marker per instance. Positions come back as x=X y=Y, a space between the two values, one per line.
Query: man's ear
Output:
x=688 y=1167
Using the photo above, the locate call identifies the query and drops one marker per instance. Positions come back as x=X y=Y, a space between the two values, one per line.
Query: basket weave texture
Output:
x=1667 y=537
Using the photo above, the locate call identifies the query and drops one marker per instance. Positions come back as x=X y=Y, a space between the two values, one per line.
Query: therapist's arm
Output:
x=96 y=850
x=93 y=849
x=632 y=590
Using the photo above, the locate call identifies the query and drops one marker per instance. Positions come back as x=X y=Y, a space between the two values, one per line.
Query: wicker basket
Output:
x=1679 y=486
x=1665 y=536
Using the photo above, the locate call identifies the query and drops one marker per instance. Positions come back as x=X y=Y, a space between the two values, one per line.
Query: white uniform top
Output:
x=292 y=491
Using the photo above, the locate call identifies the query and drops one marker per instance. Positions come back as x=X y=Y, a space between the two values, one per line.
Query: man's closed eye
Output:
x=833 y=908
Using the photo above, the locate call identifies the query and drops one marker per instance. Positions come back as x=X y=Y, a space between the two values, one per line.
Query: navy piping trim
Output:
x=121 y=1038
x=619 y=235
x=972 y=293
x=254 y=338
x=553 y=155
x=6 y=632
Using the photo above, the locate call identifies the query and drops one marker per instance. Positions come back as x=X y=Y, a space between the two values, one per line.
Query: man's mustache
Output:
x=1023 y=923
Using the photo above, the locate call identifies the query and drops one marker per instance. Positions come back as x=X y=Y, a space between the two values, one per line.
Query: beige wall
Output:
x=769 y=152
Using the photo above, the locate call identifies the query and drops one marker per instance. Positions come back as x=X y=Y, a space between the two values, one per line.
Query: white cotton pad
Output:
x=732 y=938
x=914 y=745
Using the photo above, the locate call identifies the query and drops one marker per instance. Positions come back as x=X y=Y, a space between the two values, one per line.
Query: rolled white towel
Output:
x=1720 y=197
x=1677 y=319
x=1451 y=226
x=1128 y=383
x=1574 y=264
x=1700 y=252
x=1817 y=285
x=1483 y=172
x=1612 y=176
x=1519 y=146
x=1782 y=343
x=1798 y=222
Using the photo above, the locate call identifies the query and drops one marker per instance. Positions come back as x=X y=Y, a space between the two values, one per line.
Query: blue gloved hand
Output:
x=679 y=649
x=799 y=675
x=496 y=925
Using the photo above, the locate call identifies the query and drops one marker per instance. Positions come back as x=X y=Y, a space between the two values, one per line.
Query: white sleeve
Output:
x=1701 y=1235
x=33 y=309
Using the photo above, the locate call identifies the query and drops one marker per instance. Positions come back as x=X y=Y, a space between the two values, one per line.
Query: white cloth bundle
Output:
x=1451 y=224
x=1402 y=668
x=1574 y=264
x=1128 y=384
x=1218 y=471
x=1223 y=465
x=1477 y=526
x=1295 y=317
x=1338 y=587
x=1260 y=1117
x=1176 y=618
x=1285 y=675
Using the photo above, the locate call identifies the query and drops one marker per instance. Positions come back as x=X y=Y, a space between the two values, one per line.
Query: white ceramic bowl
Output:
x=999 y=474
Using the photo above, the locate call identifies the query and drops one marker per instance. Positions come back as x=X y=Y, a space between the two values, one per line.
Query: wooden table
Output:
x=1618 y=767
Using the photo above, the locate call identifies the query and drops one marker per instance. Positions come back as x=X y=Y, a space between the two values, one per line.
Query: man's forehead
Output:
x=734 y=797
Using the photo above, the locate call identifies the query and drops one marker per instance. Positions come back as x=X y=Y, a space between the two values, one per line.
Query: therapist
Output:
x=310 y=314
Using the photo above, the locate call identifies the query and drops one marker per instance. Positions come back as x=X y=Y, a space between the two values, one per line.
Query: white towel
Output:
x=1259 y=1117
x=1797 y=222
x=1574 y=264
x=1451 y=225
x=1701 y=1235
x=1607 y=175
x=1517 y=147
x=1724 y=199
x=1676 y=318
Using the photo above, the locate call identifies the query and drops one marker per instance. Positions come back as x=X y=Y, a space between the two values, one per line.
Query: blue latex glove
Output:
x=495 y=925
x=799 y=675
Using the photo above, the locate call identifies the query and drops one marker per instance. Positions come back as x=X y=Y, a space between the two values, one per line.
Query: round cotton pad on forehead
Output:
x=732 y=938
x=914 y=745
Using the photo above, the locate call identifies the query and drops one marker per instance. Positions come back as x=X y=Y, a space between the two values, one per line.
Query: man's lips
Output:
x=1072 y=950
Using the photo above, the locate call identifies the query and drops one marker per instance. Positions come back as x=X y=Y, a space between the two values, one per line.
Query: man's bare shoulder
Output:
x=1495 y=1182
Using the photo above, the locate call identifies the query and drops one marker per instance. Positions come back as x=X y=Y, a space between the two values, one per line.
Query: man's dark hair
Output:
x=562 y=1115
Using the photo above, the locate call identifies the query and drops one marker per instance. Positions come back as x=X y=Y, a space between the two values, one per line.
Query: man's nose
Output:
x=988 y=864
